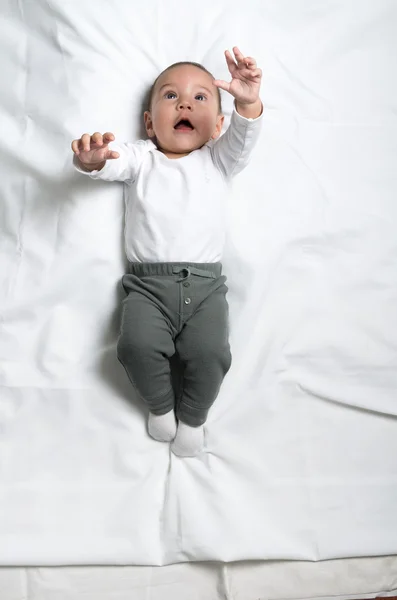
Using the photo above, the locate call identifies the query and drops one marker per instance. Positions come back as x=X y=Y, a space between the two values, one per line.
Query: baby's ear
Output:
x=218 y=128
x=147 y=117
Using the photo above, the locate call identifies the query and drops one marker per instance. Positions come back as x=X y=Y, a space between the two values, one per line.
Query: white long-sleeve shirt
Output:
x=175 y=208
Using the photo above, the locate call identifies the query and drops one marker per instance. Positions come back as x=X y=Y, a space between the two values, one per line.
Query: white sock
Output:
x=162 y=427
x=189 y=441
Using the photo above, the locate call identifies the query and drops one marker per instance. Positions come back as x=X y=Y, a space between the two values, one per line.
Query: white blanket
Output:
x=301 y=458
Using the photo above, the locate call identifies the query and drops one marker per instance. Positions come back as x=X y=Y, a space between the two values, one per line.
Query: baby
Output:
x=176 y=189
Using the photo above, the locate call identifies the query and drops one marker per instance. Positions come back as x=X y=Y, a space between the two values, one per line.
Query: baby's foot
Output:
x=162 y=427
x=189 y=441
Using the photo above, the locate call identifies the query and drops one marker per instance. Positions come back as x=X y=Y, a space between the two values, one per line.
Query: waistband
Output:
x=184 y=269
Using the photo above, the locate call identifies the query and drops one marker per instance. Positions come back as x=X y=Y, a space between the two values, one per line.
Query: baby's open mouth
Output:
x=185 y=125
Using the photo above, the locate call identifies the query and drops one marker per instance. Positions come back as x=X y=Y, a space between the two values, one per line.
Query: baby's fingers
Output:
x=105 y=139
x=241 y=60
x=108 y=137
x=224 y=85
x=75 y=146
x=85 y=142
x=250 y=62
x=97 y=138
x=255 y=74
x=230 y=62
x=112 y=154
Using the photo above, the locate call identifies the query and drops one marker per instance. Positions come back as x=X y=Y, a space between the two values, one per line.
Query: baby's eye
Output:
x=200 y=97
x=170 y=95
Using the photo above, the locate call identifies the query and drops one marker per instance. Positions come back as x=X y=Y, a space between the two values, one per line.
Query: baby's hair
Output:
x=181 y=64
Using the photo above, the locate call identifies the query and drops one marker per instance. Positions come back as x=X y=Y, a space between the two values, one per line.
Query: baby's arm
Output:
x=93 y=156
x=231 y=152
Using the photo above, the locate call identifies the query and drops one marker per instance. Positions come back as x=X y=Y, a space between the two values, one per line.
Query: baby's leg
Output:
x=144 y=347
x=203 y=347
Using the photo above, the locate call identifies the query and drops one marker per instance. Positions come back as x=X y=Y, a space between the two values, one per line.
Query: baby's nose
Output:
x=185 y=104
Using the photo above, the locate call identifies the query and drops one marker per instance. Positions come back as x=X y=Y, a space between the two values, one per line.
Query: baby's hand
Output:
x=93 y=150
x=246 y=78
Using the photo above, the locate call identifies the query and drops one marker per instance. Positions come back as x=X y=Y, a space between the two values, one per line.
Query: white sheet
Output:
x=302 y=444
x=347 y=578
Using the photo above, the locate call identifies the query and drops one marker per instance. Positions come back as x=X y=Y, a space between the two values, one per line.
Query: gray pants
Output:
x=175 y=308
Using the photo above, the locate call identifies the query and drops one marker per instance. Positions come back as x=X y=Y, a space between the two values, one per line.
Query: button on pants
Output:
x=175 y=308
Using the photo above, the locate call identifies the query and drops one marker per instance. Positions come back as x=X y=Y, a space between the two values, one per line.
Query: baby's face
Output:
x=184 y=113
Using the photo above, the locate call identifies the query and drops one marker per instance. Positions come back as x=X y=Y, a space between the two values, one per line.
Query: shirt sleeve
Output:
x=231 y=152
x=125 y=168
